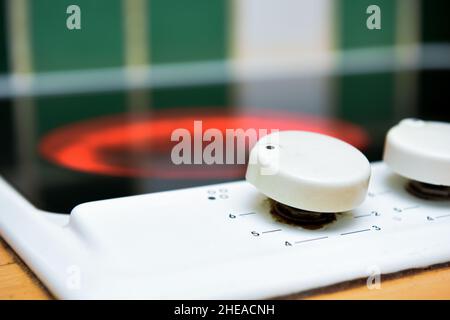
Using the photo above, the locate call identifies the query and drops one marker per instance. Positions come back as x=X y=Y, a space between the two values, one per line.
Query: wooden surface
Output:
x=17 y=282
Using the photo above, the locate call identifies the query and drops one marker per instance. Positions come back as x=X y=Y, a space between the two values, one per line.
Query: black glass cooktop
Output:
x=61 y=149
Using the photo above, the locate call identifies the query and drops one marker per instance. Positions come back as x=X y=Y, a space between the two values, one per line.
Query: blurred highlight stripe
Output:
x=137 y=51
x=408 y=33
x=136 y=32
x=408 y=22
x=19 y=37
x=21 y=68
x=433 y=56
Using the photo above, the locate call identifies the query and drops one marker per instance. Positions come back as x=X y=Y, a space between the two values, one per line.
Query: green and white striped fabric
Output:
x=119 y=33
x=229 y=40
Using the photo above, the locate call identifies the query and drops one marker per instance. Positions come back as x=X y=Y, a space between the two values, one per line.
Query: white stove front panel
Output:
x=221 y=241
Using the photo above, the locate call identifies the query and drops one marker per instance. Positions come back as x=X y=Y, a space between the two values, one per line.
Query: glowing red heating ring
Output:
x=77 y=146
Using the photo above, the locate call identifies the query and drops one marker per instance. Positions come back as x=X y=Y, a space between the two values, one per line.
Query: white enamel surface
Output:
x=309 y=171
x=420 y=150
x=180 y=244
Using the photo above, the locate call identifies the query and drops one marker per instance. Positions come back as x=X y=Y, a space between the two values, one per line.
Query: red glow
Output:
x=140 y=145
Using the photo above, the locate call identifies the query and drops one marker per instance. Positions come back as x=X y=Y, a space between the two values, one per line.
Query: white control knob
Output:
x=309 y=171
x=420 y=150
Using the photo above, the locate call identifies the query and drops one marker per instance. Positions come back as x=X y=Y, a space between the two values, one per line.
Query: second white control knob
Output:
x=420 y=150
